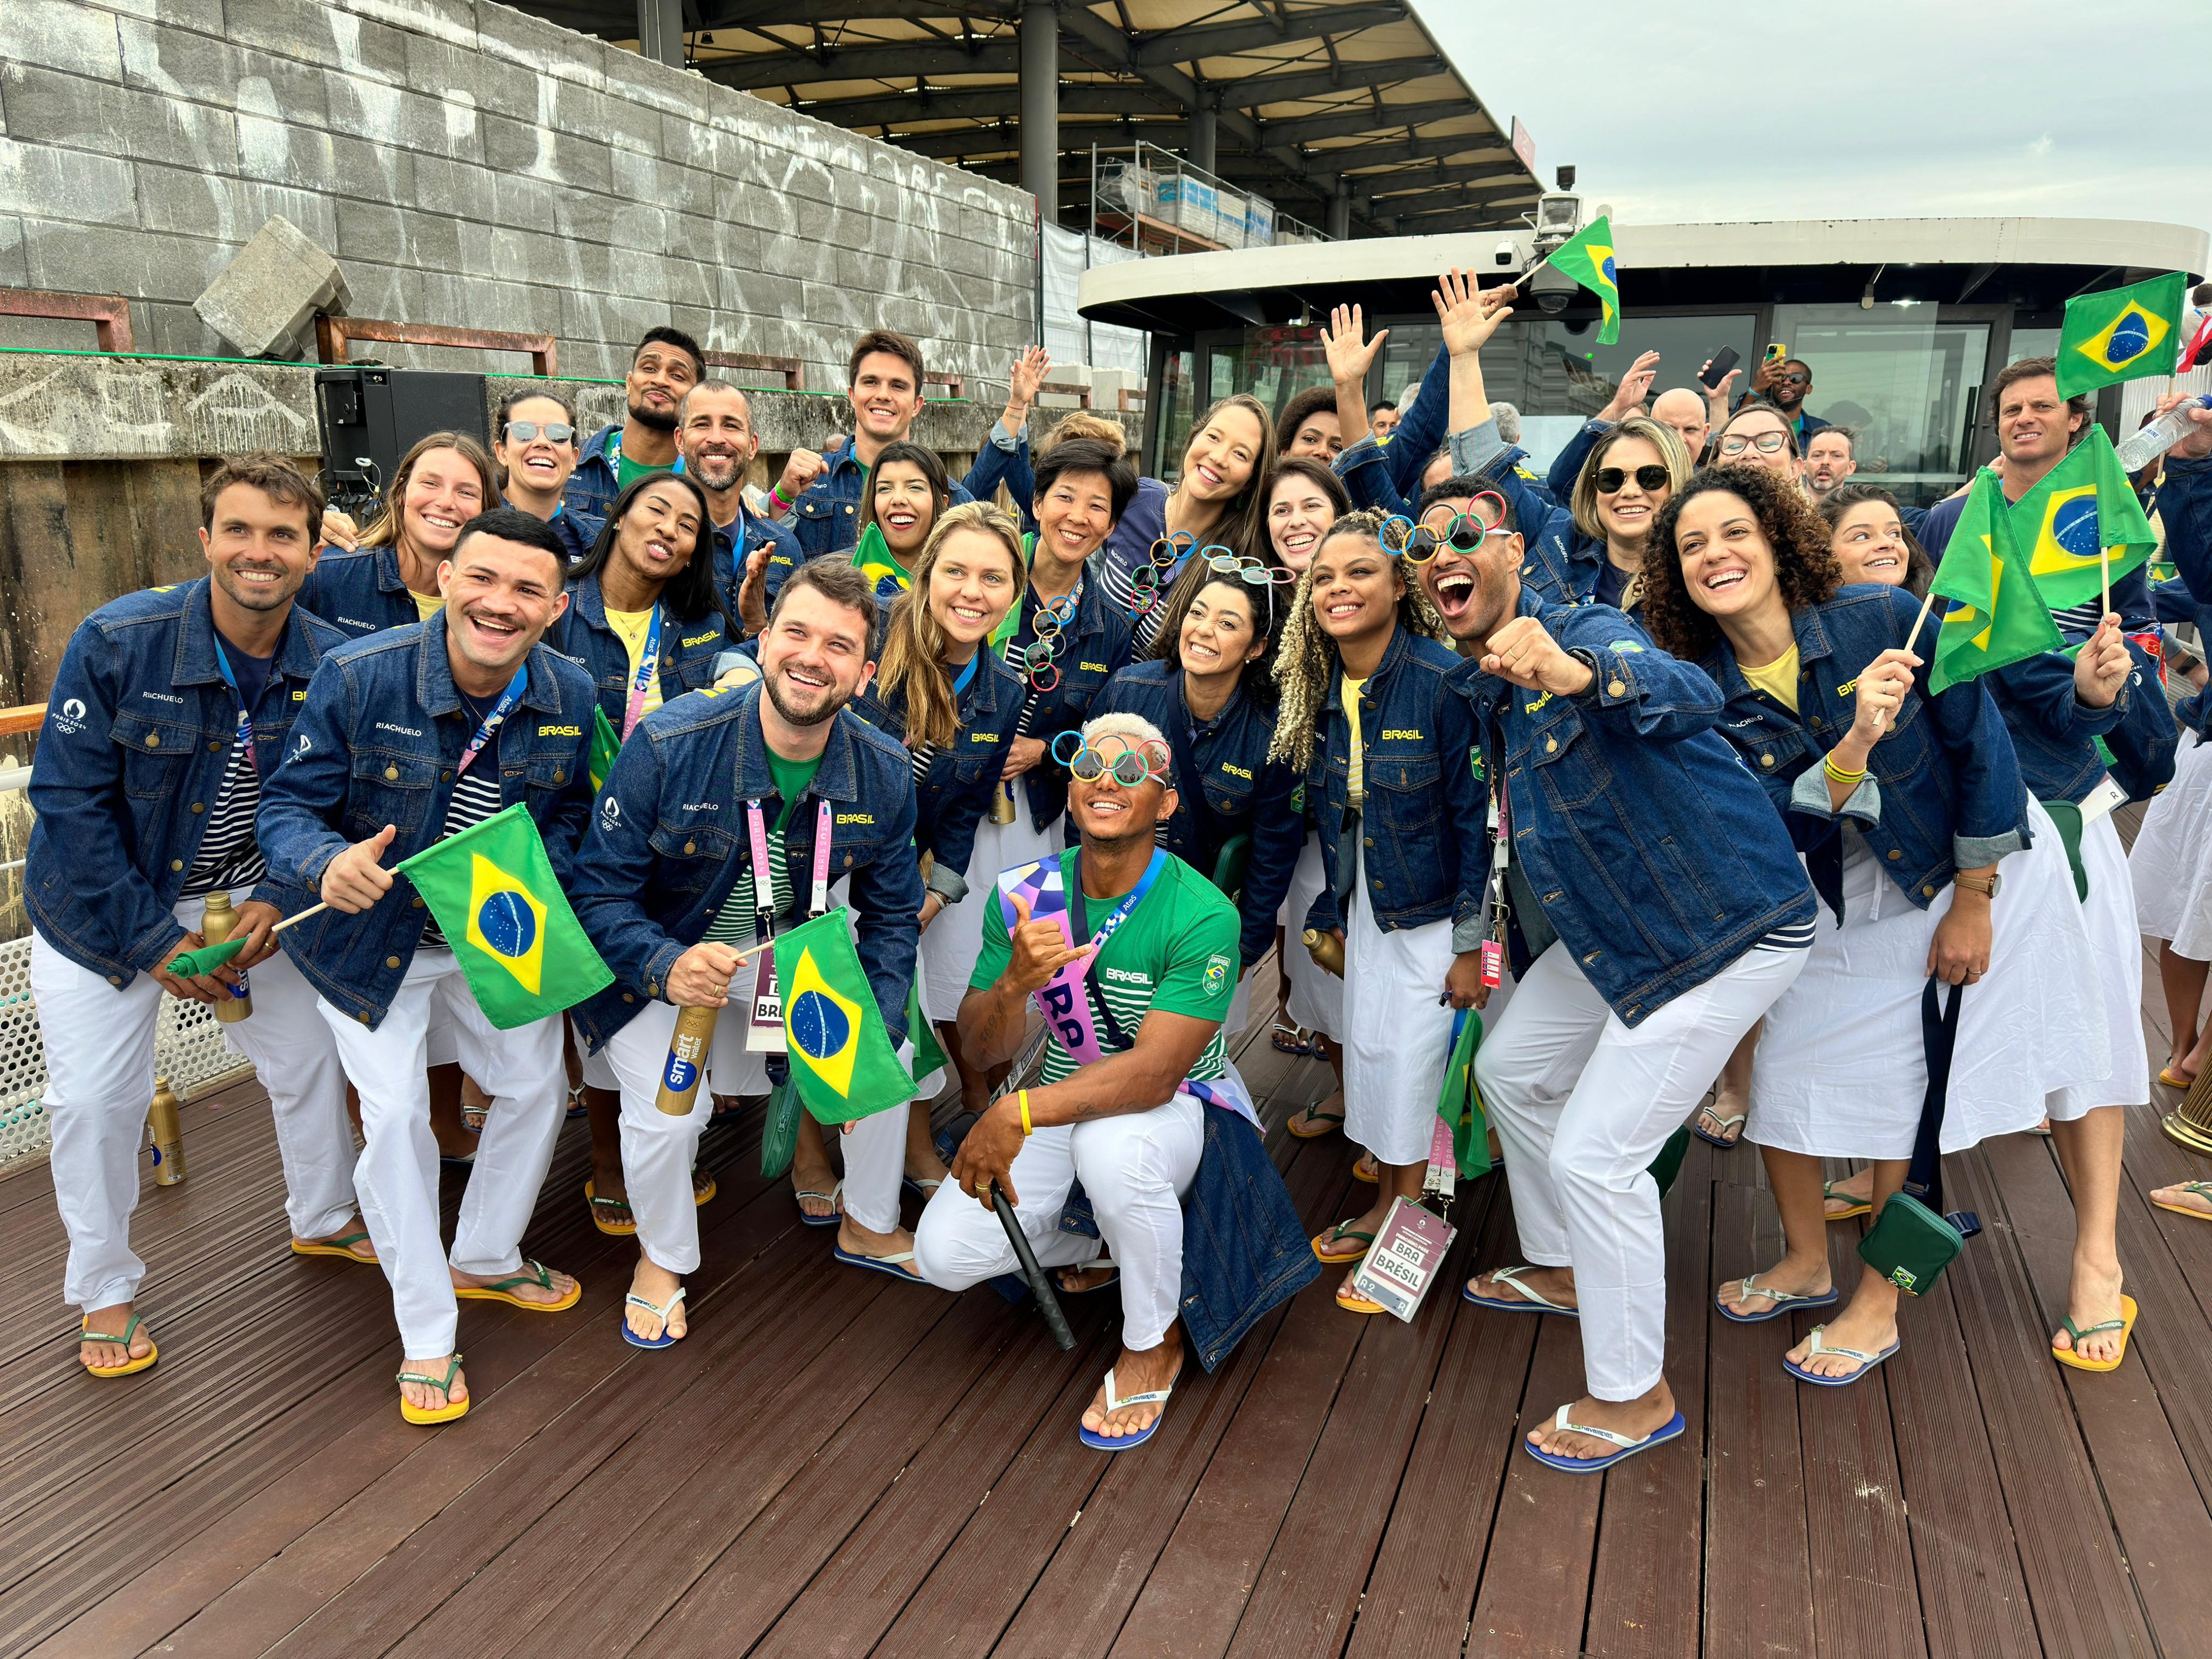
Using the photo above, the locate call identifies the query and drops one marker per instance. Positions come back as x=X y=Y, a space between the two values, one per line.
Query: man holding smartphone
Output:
x=1786 y=382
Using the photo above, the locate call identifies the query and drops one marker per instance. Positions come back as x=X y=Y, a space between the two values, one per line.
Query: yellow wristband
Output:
x=1022 y=1100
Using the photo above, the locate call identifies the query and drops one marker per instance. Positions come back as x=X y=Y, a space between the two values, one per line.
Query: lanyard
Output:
x=648 y=664
x=1130 y=901
x=245 y=720
x=764 y=868
x=493 y=720
x=966 y=673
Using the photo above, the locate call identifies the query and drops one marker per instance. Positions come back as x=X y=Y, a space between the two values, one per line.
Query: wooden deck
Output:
x=834 y=1464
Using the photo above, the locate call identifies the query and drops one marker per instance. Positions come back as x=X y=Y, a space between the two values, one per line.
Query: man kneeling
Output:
x=1135 y=1016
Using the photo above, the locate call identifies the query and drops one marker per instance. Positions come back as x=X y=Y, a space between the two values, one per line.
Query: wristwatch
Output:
x=1985 y=886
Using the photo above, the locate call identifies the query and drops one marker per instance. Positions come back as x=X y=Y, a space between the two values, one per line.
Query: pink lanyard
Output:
x=764 y=868
x=648 y=664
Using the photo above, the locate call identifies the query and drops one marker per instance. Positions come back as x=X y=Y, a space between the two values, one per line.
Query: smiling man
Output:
x=715 y=436
x=405 y=738
x=168 y=709
x=667 y=364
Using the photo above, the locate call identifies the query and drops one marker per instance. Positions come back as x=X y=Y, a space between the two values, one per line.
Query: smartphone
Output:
x=1716 y=371
x=1776 y=352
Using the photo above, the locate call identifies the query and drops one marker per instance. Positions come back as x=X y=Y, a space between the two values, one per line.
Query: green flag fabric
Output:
x=842 y=1058
x=1459 y=1102
x=874 y=557
x=1997 y=615
x=606 y=744
x=928 y=1053
x=2083 y=503
x=1588 y=257
x=492 y=889
x=2121 y=334
x=191 y=965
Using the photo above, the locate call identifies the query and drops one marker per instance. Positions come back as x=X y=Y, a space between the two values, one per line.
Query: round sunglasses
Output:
x=1439 y=528
x=1650 y=477
x=523 y=432
x=1130 y=762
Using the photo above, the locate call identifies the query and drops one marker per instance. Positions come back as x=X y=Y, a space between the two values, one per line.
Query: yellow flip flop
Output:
x=2165 y=1076
x=502 y=1290
x=427 y=1415
x=341 y=1247
x=2125 y=1325
x=2201 y=1188
x=613 y=1228
x=1351 y=1302
x=1337 y=1234
x=1859 y=1206
x=130 y=1367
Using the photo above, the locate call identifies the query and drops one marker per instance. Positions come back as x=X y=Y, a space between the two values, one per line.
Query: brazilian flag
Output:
x=1588 y=257
x=842 y=1058
x=876 y=561
x=2121 y=334
x=492 y=889
x=1997 y=615
x=606 y=743
x=2082 y=505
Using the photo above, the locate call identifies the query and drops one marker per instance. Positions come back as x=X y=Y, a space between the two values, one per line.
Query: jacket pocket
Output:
x=389 y=787
x=687 y=855
x=1567 y=762
x=154 y=751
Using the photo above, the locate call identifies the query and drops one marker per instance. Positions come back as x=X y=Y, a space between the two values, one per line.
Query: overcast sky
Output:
x=1882 y=108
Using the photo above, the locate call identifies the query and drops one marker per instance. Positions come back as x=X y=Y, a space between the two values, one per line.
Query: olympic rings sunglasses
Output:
x=1164 y=559
x=1440 y=527
x=1253 y=573
x=1131 y=762
x=1650 y=477
x=1037 y=657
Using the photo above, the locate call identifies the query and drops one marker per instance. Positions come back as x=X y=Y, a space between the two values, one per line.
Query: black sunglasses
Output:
x=1650 y=476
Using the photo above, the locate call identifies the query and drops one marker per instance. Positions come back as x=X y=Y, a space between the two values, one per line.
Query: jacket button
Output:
x=392 y=774
x=1928 y=892
x=445 y=777
x=392 y=962
x=115 y=979
x=1766 y=759
x=418 y=900
x=176 y=864
x=362 y=1018
x=690 y=846
x=1379 y=886
x=1551 y=744
x=153 y=739
x=1895 y=853
x=626 y=997
x=1368 y=842
x=199 y=806
x=1615 y=688
x=651 y=989
x=214 y=745
x=560 y=776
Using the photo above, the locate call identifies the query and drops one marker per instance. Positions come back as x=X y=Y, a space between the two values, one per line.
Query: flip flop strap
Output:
x=130 y=1328
x=1779 y=1299
x=1620 y=1440
x=1512 y=1276
x=1819 y=1346
x=2077 y=1332
x=452 y=1369
x=660 y=1314
x=533 y=1273
x=888 y=1261
x=1115 y=1402
x=2201 y=1188
x=1344 y=1230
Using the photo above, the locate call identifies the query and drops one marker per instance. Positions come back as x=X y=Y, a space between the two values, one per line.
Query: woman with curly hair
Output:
x=1369 y=717
x=1903 y=801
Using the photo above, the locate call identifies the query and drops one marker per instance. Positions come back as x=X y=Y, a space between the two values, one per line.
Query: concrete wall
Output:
x=472 y=166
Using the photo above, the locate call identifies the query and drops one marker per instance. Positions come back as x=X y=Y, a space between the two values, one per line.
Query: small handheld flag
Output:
x=191 y=965
x=1997 y=615
x=2121 y=334
x=842 y=1058
x=1588 y=257
x=606 y=743
x=2082 y=509
x=928 y=1053
x=874 y=558
x=492 y=889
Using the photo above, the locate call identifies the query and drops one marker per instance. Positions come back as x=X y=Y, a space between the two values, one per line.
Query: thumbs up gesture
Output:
x=357 y=878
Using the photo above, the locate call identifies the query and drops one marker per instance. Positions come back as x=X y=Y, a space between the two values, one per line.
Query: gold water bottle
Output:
x=1326 y=950
x=1002 y=802
x=218 y=924
x=687 y=1060
x=168 y=1136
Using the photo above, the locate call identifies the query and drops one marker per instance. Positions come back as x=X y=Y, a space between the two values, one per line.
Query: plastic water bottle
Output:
x=2139 y=448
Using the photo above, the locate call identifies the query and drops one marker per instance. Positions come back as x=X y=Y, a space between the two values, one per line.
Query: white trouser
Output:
x=397 y=1175
x=1397 y=1038
x=1583 y=1104
x=100 y=1079
x=1135 y=1168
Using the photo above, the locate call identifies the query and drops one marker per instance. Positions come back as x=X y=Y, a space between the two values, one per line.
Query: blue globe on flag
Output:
x=1606 y=267
x=819 y=1026
x=508 y=925
x=2074 y=527
x=2129 y=339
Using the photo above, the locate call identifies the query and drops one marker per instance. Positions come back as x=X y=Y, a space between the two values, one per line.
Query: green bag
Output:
x=1229 y=867
x=1664 y=1168
x=1914 y=1240
x=779 y=1133
x=2066 y=818
x=1459 y=1102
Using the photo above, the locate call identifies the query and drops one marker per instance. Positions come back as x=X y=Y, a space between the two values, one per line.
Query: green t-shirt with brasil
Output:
x=1177 y=952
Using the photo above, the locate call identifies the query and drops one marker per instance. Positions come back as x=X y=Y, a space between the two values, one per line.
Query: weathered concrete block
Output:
x=35 y=178
x=267 y=295
x=79 y=39
x=189 y=202
x=112 y=120
x=111 y=259
x=14 y=263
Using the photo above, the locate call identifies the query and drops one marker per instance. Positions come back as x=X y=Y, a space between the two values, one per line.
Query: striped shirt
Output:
x=2081 y=619
x=1795 y=936
x=734 y=923
x=475 y=797
x=229 y=858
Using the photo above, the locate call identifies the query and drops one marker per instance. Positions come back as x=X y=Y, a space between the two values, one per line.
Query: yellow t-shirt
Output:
x=631 y=627
x=1357 y=781
x=427 y=605
x=1778 y=678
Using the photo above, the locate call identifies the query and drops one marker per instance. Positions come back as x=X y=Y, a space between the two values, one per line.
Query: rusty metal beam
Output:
x=109 y=312
x=334 y=335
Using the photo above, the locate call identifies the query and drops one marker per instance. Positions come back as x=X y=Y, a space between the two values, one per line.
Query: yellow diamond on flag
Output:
x=821 y=1026
x=506 y=923
x=2066 y=534
x=2128 y=338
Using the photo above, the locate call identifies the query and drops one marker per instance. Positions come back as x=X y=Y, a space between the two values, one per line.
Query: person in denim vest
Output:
x=1368 y=717
x=1649 y=905
x=406 y=737
x=1083 y=487
x=1904 y=803
x=667 y=887
x=645 y=617
x=388 y=576
x=168 y=709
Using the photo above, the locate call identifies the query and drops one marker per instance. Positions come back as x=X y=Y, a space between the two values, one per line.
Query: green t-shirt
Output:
x=1177 y=952
x=792 y=777
x=627 y=471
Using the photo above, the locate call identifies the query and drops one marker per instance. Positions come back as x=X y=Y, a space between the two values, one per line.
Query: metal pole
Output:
x=1041 y=108
x=1339 y=215
x=1205 y=132
x=660 y=31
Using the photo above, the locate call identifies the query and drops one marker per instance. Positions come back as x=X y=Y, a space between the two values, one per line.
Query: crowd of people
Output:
x=1641 y=759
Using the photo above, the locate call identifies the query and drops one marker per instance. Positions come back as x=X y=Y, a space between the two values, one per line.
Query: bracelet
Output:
x=1836 y=775
x=1022 y=1100
x=777 y=503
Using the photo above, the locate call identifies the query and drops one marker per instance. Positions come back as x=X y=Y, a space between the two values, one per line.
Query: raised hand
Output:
x=800 y=472
x=1635 y=387
x=752 y=594
x=1027 y=374
x=1349 y=355
x=1040 y=950
x=1470 y=315
x=1524 y=654
x=1882 y=685
x=356 y=878
x=2103 y=667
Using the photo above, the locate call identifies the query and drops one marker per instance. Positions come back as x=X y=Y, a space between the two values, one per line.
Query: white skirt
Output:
x=1316 y=1000
x=1840 y=1070
x=2171 y=867
x=955 y=938
x=1397 y=1036
x=2109 y=912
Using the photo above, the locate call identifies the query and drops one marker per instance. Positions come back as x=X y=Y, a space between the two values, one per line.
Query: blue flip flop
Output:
x=1670 y=1429
x=834 y=1196
x=1784 y=1302
x=664 y=1340
x=1535 y=1303
x=880 y=1264
x=1113 y=1403
x=1866 y=1362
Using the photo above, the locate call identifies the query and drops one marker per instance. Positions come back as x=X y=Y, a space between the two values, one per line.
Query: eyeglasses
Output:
x=1165 y=557
x=523 y=432
x=1130 y=760
x=1648 y=477
x=1441 y=527
x=1767 y=443
x=1254 y=572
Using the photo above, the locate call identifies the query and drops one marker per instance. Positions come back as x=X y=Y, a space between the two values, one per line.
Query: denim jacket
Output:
x=360 y=593
x=1005 y=460
x=1943 y=791
x=2054 y=735
x=1421 y=830
x=688 y=650
x=1240 y=790
x=953 y=794
x=137 y=735
x=591 y=487
x=826 y=519
x=2185 y=507
x=735 y=542
x=671 y=840
x=1094 y=646
x=375 y=744
x=1650 y=850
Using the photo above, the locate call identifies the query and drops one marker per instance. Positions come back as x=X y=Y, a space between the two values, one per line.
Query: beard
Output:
x=772 y=686
x=652 y=417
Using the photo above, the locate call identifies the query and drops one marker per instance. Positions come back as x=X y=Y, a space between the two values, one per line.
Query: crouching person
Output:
x=1135 y=1061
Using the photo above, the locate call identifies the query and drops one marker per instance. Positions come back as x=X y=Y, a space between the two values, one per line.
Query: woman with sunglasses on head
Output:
x=1370 y=718
x=1064 y=642
x=1903 y=802
x=535 y=445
